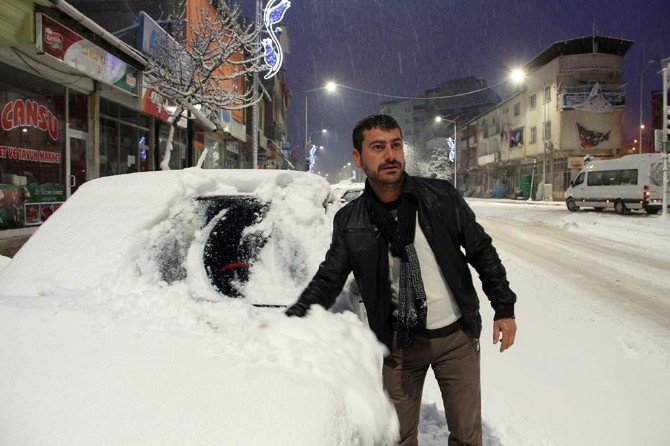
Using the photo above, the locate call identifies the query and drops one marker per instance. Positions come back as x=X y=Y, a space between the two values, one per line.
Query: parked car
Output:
x=347 y=191
x=631 y=182
x=149 y=310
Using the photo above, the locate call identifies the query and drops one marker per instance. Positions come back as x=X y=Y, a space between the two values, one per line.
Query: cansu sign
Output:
x=27 y=113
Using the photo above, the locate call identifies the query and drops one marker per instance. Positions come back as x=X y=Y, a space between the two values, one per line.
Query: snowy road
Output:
x=631 y=279
x=592 y=353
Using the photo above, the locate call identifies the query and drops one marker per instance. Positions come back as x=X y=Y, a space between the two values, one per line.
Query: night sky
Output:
x=401 y=48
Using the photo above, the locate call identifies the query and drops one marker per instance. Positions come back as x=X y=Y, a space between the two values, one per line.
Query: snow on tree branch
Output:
x=208 y=62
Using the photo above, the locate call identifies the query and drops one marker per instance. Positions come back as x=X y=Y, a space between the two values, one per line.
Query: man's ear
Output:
x=357 y=157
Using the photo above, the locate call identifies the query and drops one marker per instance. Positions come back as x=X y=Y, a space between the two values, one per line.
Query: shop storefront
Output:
x=52 y=107
x=33 y=142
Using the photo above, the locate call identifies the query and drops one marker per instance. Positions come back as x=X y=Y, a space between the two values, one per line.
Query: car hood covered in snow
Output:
x=96 y=349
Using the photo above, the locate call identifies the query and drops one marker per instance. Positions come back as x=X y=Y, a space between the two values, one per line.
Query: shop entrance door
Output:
x=77 y=161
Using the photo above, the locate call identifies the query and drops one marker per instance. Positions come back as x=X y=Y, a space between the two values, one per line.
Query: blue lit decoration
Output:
x=452 y=149
x=274 y=54
x=312 y=158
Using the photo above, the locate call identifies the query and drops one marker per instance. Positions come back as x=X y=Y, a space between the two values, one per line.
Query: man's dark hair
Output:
x=384 y=122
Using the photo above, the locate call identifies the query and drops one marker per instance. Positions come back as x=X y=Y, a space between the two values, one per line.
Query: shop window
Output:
x=109 y=108
x=179 y=146
x=125 y=145
x=78 y=110
x=32 y=148
x=547 y=130
x=109 y=141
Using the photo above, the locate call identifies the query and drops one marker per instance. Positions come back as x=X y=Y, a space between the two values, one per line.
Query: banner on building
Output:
x=72 y=49
x=516 y=137
x=588 y=139
x=597 y=100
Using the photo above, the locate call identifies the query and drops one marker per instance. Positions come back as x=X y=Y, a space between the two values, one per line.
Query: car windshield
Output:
x=228 y=250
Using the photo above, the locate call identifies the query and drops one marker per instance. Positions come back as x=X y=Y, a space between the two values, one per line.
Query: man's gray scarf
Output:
x=412 y=306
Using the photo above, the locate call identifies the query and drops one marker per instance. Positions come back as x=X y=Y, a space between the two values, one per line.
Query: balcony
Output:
x=596 y=97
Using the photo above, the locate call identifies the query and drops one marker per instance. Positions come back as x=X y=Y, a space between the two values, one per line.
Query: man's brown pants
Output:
x=455 y=362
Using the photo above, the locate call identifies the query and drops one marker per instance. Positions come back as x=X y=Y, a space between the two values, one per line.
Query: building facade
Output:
x=74 y=107
x=569 y=106
x=69 y=99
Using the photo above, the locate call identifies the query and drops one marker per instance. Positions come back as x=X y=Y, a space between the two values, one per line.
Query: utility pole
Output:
x=254 y=109
x=666 y=137
x=641 y=94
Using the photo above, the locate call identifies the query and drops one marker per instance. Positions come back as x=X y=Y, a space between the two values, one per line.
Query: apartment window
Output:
x=533 y=134
x=547 y=93
x=547 y=130
x=517 y=109
x=533 y=101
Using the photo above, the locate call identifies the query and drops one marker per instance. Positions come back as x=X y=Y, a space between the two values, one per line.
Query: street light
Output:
x=440 y=119
x=641 y=81
x=329 y=87
x=318 y=131
x=518 y=76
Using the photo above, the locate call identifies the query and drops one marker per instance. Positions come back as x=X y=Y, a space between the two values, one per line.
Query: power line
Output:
x=422 y=97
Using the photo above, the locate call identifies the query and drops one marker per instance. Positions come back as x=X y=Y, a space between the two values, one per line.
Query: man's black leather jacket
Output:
x=448 y=224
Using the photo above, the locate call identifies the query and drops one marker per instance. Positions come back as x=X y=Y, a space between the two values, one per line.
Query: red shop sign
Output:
x=29 y=113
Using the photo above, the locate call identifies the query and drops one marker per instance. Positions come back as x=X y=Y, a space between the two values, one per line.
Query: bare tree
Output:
x=206 y=65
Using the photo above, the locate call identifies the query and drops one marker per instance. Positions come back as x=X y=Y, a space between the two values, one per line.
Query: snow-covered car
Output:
x=144 y=311
x=347 y=191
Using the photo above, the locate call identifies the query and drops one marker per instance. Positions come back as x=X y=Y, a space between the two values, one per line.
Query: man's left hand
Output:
x=506 y=328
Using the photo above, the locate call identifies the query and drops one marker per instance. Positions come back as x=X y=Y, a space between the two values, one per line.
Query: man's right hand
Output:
x=298 y=309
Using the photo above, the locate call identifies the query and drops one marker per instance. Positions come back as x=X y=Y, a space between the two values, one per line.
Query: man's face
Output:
x=382 y=157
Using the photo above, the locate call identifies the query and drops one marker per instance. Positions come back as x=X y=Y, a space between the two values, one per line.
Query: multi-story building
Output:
x=569 y=105
x=454 y=100
x=411 y=115
x=230 y=147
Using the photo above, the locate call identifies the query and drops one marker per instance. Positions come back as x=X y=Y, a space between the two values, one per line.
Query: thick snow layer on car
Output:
x=96 y=349
x=101 y=236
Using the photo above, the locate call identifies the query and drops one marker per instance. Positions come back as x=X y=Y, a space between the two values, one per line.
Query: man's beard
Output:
x=377 y=175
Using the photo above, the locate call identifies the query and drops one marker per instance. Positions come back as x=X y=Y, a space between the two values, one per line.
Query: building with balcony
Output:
x=569 y=105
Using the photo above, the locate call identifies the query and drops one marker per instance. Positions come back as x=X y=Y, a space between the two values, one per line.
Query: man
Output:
x=402 y=239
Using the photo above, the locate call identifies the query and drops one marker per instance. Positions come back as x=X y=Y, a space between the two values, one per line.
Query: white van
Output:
x=629 y=182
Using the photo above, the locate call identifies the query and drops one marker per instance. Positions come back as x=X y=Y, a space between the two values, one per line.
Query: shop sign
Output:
x=154 y=104
x=74 y=50
x=22 y=154
x=575 y=162
x=27 y=113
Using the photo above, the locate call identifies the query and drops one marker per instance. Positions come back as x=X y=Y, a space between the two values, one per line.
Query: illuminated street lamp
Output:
x=329 y=87
x=518 y=75
x=318 y=131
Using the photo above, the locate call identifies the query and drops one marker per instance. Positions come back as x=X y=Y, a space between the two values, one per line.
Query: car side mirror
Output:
x=572 y=182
